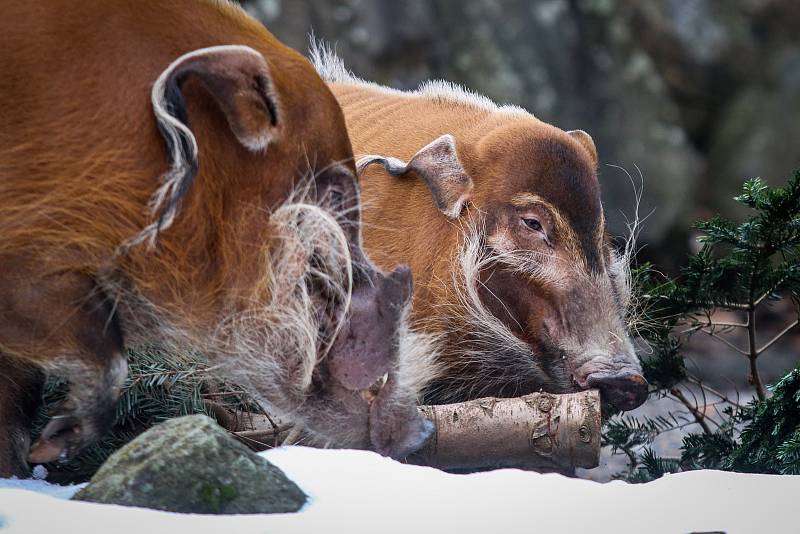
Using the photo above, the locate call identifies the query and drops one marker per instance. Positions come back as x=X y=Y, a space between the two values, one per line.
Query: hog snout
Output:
x=370 y=375
x=397 y=429
x=624 y=390
x=618 y=377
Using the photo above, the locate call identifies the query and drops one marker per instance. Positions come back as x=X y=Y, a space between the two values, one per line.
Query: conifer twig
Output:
x=783 y=332
x=699 y=417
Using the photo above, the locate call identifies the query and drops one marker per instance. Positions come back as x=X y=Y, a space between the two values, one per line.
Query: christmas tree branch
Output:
x=782 y=333
x=722 y=397
x=730 y=345
x=755 y=377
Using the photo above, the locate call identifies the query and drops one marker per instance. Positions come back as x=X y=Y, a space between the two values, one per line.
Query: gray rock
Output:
x=191 y=465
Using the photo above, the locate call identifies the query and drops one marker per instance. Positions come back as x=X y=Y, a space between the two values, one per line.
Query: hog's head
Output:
x=536 y=296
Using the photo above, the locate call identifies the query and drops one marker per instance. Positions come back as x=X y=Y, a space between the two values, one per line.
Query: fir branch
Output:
x=740 y=267
x=159 y=386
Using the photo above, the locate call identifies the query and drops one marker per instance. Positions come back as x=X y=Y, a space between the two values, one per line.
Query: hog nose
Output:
x=625 y=391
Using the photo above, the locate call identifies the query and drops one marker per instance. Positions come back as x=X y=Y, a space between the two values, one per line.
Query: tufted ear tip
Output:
x=238 y=79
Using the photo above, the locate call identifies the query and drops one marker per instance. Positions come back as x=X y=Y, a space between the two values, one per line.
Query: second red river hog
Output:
x=500 y=218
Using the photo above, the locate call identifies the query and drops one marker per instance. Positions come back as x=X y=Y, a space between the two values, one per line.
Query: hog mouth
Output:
x=371 y=393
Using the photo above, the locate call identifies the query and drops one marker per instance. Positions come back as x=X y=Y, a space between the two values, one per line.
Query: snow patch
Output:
x=40 y=486
x=358 y=491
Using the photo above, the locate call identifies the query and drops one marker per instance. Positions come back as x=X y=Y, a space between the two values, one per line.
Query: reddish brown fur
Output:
x=484 y=141
x=80 y=157
x=63 y=123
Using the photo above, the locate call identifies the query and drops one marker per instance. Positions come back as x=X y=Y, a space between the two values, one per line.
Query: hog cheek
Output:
x=363 y=353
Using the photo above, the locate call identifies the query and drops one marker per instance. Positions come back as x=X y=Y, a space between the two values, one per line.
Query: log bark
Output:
x=539 y=431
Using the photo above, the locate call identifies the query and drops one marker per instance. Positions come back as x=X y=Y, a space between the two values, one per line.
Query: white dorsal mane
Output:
x=332 y=69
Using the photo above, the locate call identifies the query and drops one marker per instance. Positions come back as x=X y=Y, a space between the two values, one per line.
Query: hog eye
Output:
x=533 y=224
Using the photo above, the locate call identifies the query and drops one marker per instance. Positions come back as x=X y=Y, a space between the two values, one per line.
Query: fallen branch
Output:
x=540 y=431
x=258 y=431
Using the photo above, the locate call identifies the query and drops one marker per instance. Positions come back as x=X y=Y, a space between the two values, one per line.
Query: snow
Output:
x=62 y=492
x=363 y=492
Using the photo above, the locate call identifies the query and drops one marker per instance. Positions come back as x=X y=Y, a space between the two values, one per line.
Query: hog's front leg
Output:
x=63 y=323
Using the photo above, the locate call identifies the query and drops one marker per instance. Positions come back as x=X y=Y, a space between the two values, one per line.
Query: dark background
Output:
x=698 y=95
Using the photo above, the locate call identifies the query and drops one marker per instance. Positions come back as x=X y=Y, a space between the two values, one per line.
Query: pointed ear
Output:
x=586 y=141
x=238 y=79
x=438 y=166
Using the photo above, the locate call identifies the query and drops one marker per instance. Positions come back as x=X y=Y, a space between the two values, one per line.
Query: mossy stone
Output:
x=191 y=465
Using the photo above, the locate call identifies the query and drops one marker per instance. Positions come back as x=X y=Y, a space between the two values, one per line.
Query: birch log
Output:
x=539 y=431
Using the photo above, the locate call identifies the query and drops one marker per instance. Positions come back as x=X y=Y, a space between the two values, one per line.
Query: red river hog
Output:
x=170 y=173
x=498 y=214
